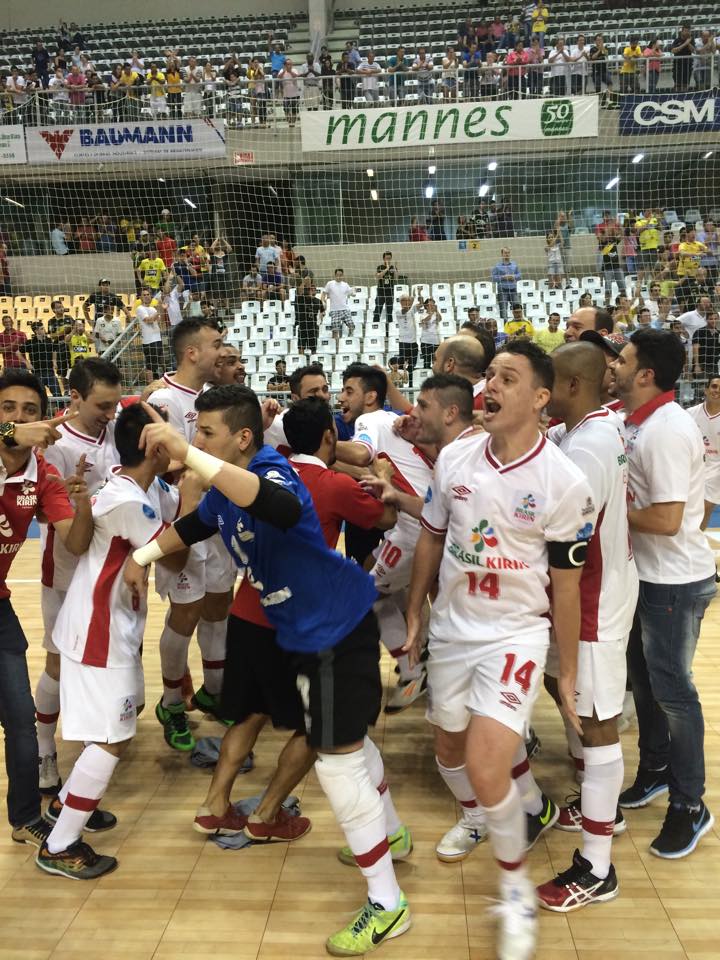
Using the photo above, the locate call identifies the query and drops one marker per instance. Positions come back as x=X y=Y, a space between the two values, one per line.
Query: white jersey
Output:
x=99 y=624
x=337 y=292
x=709 y=424
x=609 y=584
x=497 y=520
x=407 y=325
x=665 y=455
x=179 y=404
x=58 y=564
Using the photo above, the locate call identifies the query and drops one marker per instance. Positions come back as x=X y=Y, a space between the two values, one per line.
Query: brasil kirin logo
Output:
x=483 y=536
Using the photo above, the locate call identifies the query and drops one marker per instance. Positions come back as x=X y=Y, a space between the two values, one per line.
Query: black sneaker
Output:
x=532 y=744
x=78 y=862
x=538 y=823
x=34 y=833
x=681 y=831
x=577 y=887
x=648 y=784
x=99 y=819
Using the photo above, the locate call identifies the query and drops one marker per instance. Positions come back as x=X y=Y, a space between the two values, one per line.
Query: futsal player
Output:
x=707 y=416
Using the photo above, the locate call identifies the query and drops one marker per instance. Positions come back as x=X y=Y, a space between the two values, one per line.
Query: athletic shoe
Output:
x=681 y=831
x=460 y=840
x=99 y=819
x=406 y=693
x=209 y=703
x=577 y=887
x=648 y=784
x=50 y=781
x=400 y=844
x=176 y=731
x=629 y=714
x=284 y=827
x=34 y=833
x=228 y=825
x=538 y=823
x=517 y=936
x=532 y=744
x=78 y=862
x=369 y=929
x=570 y=817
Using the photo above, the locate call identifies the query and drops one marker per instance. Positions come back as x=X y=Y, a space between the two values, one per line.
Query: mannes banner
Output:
x=669 y=113
x=453 y=123
x=123 y=142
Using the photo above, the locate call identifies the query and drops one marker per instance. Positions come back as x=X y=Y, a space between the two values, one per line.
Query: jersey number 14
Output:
x=489 y=584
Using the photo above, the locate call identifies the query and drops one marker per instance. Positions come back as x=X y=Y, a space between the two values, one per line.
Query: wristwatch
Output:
x=7 y=434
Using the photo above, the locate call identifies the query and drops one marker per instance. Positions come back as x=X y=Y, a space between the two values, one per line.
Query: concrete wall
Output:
x=71 y=274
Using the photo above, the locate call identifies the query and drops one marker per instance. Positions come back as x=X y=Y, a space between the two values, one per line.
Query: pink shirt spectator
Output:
x=514 y=59
x=654 y=59
x=77 y=84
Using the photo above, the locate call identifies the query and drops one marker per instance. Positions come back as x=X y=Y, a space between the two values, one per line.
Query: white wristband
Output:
x=204 y=464
x=144 y=556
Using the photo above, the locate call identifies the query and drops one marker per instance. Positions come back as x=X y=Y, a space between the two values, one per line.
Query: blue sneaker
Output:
x=648 y=784
x=681 y=831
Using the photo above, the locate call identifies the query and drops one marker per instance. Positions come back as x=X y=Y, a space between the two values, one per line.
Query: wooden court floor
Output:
x=176 y=895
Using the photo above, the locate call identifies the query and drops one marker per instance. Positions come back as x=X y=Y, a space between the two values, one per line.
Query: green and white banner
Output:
x=491 y=122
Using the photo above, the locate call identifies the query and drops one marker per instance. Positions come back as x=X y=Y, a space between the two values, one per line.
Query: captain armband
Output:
x=567 y=556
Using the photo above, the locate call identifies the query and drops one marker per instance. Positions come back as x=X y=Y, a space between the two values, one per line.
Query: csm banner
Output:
x=122 y=142
x=12 y=144
x=669 y=113
x=460 y=123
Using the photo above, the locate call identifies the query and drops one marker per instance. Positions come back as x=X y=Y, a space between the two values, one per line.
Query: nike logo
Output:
x=379 y=935
x=546 y=814
x=698 y=823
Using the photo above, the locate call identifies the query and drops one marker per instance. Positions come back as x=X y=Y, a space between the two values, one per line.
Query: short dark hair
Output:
x=19 y=377
x=371 y=379
x=296 y=377
x=541 y=363
x=187 y=329
x=240 y=408
x=84 y=374
x=603 y=320
x=305 y=423
x=662 y=352
x=452 y=389
x=129 y=425
x=484 y=338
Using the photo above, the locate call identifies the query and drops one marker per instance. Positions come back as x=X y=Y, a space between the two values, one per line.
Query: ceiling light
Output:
x=432 y=170
x=161 y=180
x=708 y=155
x=370 y=172
x=373 y=195
x=613 y=183
x=492 y=165
x=429 y=191
x=638 y=157
x=190 y=203
x=14 y=202
x=484 y=190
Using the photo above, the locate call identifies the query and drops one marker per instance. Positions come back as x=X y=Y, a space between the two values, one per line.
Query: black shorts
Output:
x=259 y=678
x=153 y=355
x=341 y=687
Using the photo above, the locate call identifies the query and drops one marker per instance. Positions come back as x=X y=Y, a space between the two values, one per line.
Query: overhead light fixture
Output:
x=429 y=191
x=638 y=157
x=492 y=165
x=161 y=179
x=708 y=154
x=613 y=183
x=373 y=195
x=272 y=190
x=484 y=190
x=370 y=172
x=432 y=170
x=190 y=203
x=15 y=203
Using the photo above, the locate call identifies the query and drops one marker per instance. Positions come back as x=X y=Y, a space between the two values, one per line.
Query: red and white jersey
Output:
x=478 y=389
x=616 y=406
x=58 y=565
x=99 y=623
x=709 y=424
x=179 y=404
x=609 y=584
x=497 y=520
x=665 y=453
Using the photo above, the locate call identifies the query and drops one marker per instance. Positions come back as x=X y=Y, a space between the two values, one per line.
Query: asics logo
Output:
x=379 y=935
x=5 y=528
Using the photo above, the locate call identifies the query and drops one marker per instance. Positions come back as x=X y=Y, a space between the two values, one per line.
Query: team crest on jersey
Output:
x=483 y=535
x=527 y=507
x=589 y=507
x=461 y=493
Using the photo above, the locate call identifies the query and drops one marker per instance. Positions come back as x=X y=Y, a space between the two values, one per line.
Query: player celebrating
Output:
x=707 y=416
x=95 y=391
x=503 y=508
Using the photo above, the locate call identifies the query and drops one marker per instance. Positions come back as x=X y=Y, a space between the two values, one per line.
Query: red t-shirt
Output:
x=10 y=343
x=166 y=248
x=28 y=493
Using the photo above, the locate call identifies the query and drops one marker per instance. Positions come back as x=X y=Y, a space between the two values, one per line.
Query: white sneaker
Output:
x=406 y=693
x=50 y=781
x=460 y=841
x=628 y=715
x=517 y=915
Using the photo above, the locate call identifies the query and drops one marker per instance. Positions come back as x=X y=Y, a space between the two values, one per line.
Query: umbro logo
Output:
x=510 y=699
x=461 y=493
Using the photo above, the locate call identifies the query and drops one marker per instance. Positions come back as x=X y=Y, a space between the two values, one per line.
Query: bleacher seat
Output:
x=327 y=345
x=349 y=345
x=276 y=348
x=419 y=376
x=258 y=381
x=266 y=364
x=253 y=348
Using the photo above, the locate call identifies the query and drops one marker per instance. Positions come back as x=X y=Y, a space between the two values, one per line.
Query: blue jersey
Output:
x=311 y=595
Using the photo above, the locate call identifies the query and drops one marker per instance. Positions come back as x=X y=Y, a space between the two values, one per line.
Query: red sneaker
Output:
x=285 y=827
x=228 y=825
x=570 y=818
x=577 y=887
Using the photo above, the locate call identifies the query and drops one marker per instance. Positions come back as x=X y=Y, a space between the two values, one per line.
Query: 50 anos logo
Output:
x=557 y=118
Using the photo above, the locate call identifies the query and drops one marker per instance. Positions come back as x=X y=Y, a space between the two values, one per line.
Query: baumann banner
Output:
x=491 y=122
x=126 y=142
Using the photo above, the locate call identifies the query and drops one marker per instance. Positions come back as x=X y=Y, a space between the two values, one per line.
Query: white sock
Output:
x=456 y=780
x=508 y=836
x=599 y=794
x=47 y=711
x=86 y=785
x=576 y=749
x=173 y=662
x=393 y=633
x=211 y=636
x=359 y=810
x=530 y=792
x=376 y=770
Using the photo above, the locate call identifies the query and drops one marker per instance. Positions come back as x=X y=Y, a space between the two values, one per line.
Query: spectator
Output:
x=609 y=246
x=86 y=236
x=538 y=20
x=347 y=81
x=279 y=382
x=436 y=221
x=565 y=227
x=693 y=320
x=690 y=253
x=13 y=344
x=59 y=328
x=58 y=240
x=405 y=318
x=60 y=95
x=258 y=91
x=450 y=66
x=307 y=307
x=5 y=284
x=209 y=88
x=665 y=317
x=515 y=74
x=632 y=55
x=417 y=233
x=99 y=298
x=338 y=291
x=653 y=56
x=41 y=62
x=16 y=85
x=148 y=317
x=155 y=80
x=470 y=63
x=192 y=106
x=465 y=229
x=138 y=64
x=310 y=73
x=682 y=49
x=555 y=265
x=397 y=67
x=385 y=278
x=710 y=236
x=151 y=271
x=277 y=57
x=505 y=275
x=647 y=228
x=78 y=343
x=490 y=78
x=599 y=64
x=705 y=48
x=166 y=248
x=41 y=356
x=466 y=33
x=328 y=85
x=423 y=69
x=219 y=254
x=550 y=337
x=629 y=249
x=272 y=278
x=518 y=325
x=397 y=375
x=173 y=88
x=706 y=348
x=429 y=332
x=128 y=84
x=369 y=69
x=559 y=60
x=265 y=252
x=107 y=327
x=499 y=337
x=535 y=57
x=175 y=300
x=288 y=80
x=353 y=54
x=580 y=56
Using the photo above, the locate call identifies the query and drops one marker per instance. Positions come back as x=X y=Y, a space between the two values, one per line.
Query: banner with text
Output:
x=491 y=122
x=120 y=142
x=669 y=113
x=12 y=144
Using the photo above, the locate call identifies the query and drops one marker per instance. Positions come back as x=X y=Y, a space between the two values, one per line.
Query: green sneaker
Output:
x=209 y=703
x=174 y=720
x=400 y=844
x=369 y=929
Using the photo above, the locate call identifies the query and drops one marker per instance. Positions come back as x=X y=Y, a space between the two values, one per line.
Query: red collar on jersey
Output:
x=647 y=409
x=506 y=467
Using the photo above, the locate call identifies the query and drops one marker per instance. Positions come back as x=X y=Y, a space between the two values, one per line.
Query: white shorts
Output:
x=188 y=585
x=601 y=676
x=99 y=704
x=50 y=602
x=712 y=486
x=393 y=560
x=220 y=569
x=499 y=680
